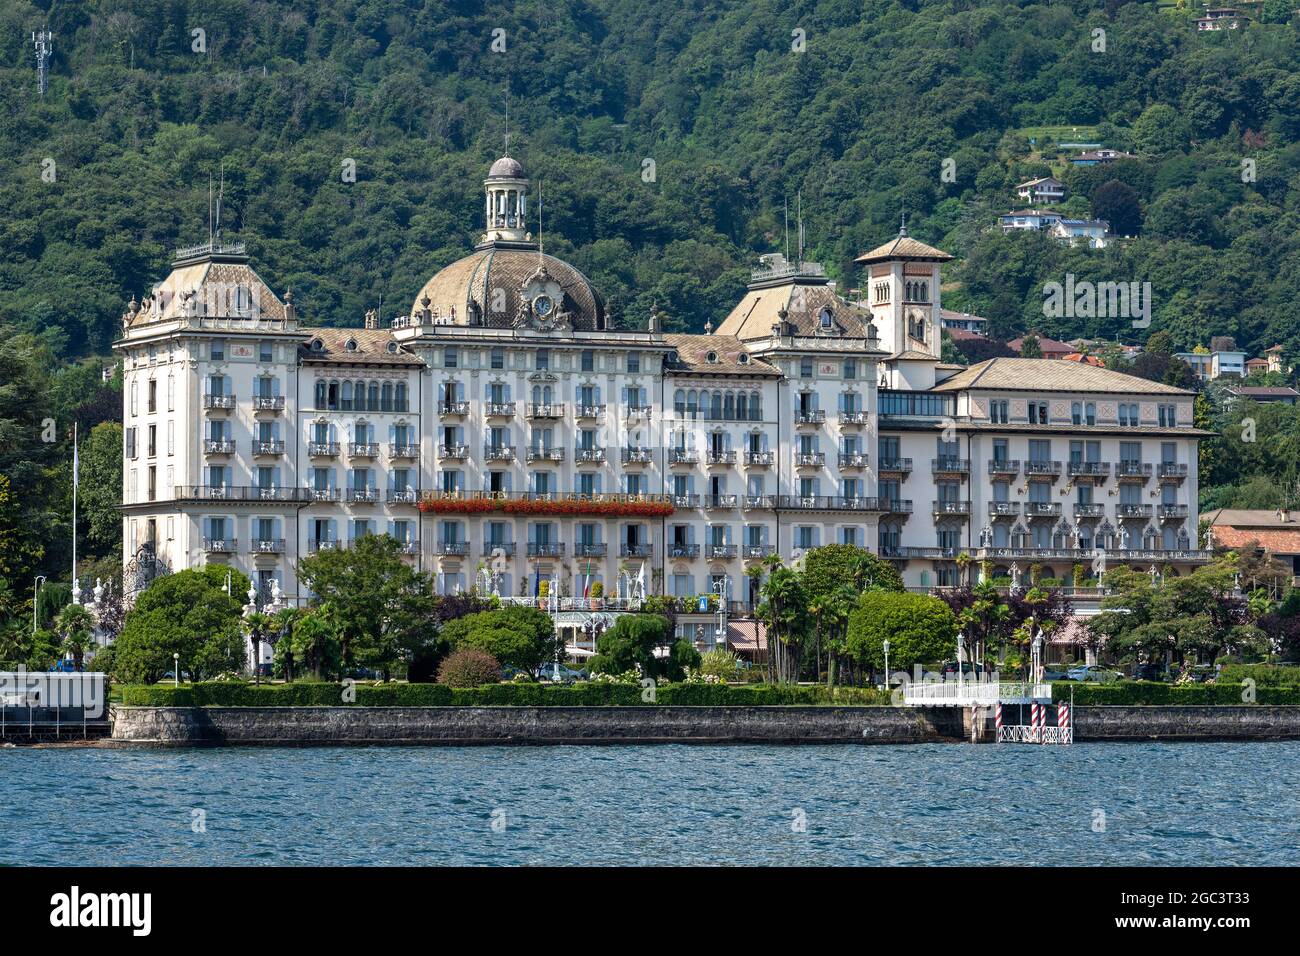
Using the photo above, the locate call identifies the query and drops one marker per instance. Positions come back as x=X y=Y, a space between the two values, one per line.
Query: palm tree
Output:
x=785 y=612
x=76 y=630
x=283 y=621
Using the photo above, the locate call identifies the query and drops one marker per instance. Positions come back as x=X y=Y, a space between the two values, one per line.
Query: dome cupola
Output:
x=505 y=202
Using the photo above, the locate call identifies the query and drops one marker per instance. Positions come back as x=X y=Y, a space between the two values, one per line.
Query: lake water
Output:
x=1089 y=804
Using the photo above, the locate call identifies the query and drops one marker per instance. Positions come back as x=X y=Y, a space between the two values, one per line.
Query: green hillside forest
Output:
x=670 y=138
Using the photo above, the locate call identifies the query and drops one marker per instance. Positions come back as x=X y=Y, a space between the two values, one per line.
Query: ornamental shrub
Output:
x=469 y=667
x=920 y=630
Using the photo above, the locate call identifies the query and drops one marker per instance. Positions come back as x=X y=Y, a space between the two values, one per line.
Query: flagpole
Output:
x=75 y=463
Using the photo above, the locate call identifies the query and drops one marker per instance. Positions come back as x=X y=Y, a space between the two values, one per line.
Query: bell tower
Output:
x=505 y=202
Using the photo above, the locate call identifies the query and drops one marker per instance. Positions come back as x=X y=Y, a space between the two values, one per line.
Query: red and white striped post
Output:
x=1063 y=718
x=997 y=720
x=1036 y=720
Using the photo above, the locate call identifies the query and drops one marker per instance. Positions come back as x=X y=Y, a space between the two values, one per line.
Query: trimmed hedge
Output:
x=1264 y=675
x=309 y=694
x=1140 y=693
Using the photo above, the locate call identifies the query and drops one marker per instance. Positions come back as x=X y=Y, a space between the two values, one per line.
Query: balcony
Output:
x=239 y=493
x=499 y=452
x=589 y=456
x=1089 y=511
x=589 y=549
x=894 y=466
x=450 y=409
x=751 y=502
x=1098 y=470
x=1004 y=509
x=1171 y=471
x=1042 y=509
x=403 y=496
x=683 y=456
x=589 y=412
x=542 y=410
x=854 y=418
x=757 y=552
x=544 y=454
x=809 y=416
x=322 y=449
x=1171 y=512
x=950 y=466
x=363 y=449
x=323 y=494
x=452 y=548
x=637 y=456
x=760 y=458
x=315 y=545
x=854 y=460
x=220 y=545
x=1132 y=471
x=683 y=550
x=828 y=503
x=218 y=446
x=1123 y=511
x=635 y=550
x=218 y=403
x=409 y=547
x=725 y=502
x=720 y=552
x=537 y=549
x=453 y=452
x=727 y=457
x=809 y=459
x=267 y=546
x=951 y=508
x=1042 y=469
x=896 y=506
x=637 y=413
x=363 y=496
x=268 y=403
x=1004 y=467
x=403 y=451
x=263 y=448
x=685 y=501
x=499 y=410
x=505 y=548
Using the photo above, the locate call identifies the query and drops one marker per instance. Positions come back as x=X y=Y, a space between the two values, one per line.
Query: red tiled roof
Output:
x=1276 y=542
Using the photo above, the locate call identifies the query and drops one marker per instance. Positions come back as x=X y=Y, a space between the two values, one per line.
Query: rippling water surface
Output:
x=1191 y=804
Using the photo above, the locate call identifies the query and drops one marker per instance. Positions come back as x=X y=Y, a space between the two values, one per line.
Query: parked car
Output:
x=967 y=668
x=64 y=667
x=1054 y=674
x=1092 y=672
x=1150 y=672
x=560 y=673
x=1200 y=673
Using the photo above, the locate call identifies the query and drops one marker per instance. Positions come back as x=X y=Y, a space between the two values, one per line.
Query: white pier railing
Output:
x=1027 y=734
x=974 y=692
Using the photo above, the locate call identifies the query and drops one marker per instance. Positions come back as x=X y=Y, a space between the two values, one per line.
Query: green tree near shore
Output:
x=920 y=630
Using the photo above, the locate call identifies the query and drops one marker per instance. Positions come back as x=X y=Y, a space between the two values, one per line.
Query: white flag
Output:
x=76 y=464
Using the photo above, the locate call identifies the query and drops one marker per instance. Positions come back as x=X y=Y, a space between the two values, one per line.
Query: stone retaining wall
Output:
x=528 y=725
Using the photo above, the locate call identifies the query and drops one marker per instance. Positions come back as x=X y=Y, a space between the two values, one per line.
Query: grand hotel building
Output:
x=503 y=423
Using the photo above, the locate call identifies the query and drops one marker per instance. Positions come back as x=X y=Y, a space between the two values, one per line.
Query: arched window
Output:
x=320 y=395
x=346 y=400
x=717 y=405
x=374 y=396
x=755 y=407
x=692 y=404
x=359 y=396
x=1090 y=414
x=679 y=403
x=742 y=407
x=400 y=396
x=387 y=397
x=537 y=394
x=729 y=407
x=1076 y=413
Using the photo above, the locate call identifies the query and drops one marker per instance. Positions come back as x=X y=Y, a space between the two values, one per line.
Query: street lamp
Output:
x=36 y=593
x=886 y=663
x=176 y=669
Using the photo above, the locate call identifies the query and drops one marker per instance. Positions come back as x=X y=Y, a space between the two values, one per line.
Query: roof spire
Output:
x=902 y=223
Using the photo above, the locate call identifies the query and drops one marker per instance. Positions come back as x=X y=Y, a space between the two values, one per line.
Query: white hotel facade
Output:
x=546 y=444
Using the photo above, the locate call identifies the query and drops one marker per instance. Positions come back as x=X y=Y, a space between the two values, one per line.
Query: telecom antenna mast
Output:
x=43 y=42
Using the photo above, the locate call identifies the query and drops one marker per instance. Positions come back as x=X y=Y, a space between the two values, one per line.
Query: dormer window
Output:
x=743 y=358
x=827 y=319
x=392 y=348
x=350 y=345
x=712 y=358
x=317 y=345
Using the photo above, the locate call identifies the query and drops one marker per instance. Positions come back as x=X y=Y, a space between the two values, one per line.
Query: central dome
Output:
x=506 y=168
x=502 y=286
